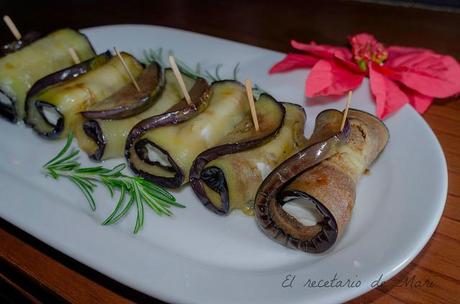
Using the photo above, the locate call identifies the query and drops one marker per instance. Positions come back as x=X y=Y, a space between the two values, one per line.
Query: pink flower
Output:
x=397 y=75
x=367 y=49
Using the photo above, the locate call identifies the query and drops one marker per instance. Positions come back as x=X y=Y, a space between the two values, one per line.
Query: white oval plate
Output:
x=199 y=257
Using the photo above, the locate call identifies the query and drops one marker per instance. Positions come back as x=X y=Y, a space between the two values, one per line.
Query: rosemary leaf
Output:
x=63 y=151
x=140 y=191
x=152 y=55
x=123 y=212
x=118 y=206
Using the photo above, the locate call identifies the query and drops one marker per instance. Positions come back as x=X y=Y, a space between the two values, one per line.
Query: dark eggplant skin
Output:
x=19 y=44
x=200 y=94
x=57 y=77
x=92 y=129
x=270 y=193
x=9 y=112
x=329 y=228
x=141 y=151
x=40 y=105
x=197 y=179
x=151 y=79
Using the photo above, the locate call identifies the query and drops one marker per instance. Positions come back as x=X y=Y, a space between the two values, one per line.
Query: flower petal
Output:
x=388 y=96
x=418 y=101
x=426 y=72
x=396 y=51
x=293 y=61
x=323 y=51
x=349 y=65
x=331 y=78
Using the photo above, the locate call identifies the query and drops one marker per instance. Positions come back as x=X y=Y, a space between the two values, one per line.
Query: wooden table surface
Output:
x=34 y=271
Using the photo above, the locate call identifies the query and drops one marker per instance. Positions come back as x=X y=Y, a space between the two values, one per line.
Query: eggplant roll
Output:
x=20 y=69
x=105 y=138
x=227 y=177
x=163 y=150
x=52 y=110
x=307 y=202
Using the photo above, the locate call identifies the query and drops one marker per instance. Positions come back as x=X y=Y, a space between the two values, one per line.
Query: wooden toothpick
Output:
x=74 y=55
x=345 y=112
x=133 y=80
x=178 y=75
x=10 y=24
x=252 y=106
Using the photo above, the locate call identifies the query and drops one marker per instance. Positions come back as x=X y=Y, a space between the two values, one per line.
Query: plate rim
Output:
x=356 y=292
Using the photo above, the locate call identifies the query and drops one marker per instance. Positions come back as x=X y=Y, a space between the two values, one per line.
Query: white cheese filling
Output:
x=206 y=134
x=264 y=169
x=51 y=115
x=155 y=155
x=303 y=210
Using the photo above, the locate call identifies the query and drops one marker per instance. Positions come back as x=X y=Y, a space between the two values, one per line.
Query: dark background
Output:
x=436 y=4
x=323 y=21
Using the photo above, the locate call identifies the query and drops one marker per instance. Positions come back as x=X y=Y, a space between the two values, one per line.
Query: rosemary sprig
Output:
x=157 y=55
x=139 y=191
x=152 y=55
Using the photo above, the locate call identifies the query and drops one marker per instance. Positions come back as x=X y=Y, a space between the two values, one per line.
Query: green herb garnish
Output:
x=157 y=55
x=135 y=190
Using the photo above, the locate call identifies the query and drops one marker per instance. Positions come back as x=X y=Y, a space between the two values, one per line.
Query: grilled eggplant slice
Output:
x=52 y=110
x=163 y=150
x=128 y=101
x=106 y=138
x=36 y=114
x=321 y=178
x=227 y=177
x=21 y=69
